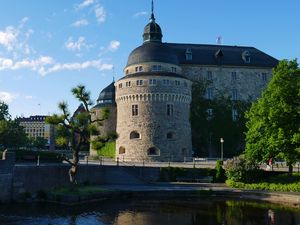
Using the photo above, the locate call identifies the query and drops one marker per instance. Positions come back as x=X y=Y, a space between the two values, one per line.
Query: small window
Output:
x=234 y=95
x=234 y=114
x=128 y=84
x=173 y=69
x=188 y=54
x=134 y=135
x=170 y=110
x=153 y=151
x=209 y=114
x=156 y=68
x=127 y=71
x=177 y=82
x=233 y=76
x=139 y=82
x=138 y=69
x=152 y=82
x=120 y=85
x=166 y=82
x=170 y=135
x=264 y=77
x=246 y=56
x=209 y=93
x=135 y=110
x=209 y=75
x=122 y=150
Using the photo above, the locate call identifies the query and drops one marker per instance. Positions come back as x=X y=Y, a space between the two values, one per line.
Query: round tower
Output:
x=106 y=100
x=153 y=103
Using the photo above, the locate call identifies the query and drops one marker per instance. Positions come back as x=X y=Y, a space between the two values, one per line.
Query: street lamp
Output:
x=222 y=141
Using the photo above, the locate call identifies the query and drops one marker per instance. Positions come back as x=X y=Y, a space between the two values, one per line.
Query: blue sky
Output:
x=48 y=47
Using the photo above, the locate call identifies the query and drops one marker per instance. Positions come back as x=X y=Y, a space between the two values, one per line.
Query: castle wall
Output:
x=249 y=82
x=152 y=122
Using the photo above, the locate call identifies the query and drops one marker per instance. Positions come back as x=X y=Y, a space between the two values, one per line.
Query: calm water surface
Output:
x=204 y=212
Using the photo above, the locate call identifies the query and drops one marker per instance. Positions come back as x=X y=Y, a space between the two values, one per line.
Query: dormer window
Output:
x=246 y=56
x=188 y=54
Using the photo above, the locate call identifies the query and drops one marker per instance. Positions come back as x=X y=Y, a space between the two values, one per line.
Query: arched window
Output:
x=153 y=151
x=170 y=135
x=134 y=135
x=122 y=150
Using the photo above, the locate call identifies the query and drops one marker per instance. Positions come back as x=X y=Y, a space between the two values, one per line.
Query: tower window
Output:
x=134 y=135
x=166 y=82
x=139 y=82
x=152 y=82
x=177 y=82
x=135 y=110
x=138 y=69
x=173 y=69
x=128 y=84
x=209 y=114
x=170 y=110
x=170 y=135
x=209 y=93
x=156 y=68
x=153 y=151
x=120 y=85
x=188 y=54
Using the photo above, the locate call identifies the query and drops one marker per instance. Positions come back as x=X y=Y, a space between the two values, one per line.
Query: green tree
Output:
x=4 y=114
x=12 y=135
x=274 y=120
x=37 y=142
x=207 y=129
x=79 y=127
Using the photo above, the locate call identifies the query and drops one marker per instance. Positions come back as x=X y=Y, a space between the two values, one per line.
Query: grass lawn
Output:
x=282 y=182
x=78 y=190
x=108 y=150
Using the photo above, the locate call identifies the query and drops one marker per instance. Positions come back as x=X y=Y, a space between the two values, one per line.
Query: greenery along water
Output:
x=187 y=212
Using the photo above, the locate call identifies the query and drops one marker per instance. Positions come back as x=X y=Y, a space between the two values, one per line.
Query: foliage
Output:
x=282 y=182
x=207 y=130
x=274 y=120
x=108 y=150
x=12 y=134
x=30 y=155
x=240 y=169
x=38 y=142
x=77 y=127
x=78 y=190
x=4 y=114
x=220 y=172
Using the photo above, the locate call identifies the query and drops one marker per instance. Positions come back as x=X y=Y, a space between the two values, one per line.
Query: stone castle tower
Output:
x=153 y=103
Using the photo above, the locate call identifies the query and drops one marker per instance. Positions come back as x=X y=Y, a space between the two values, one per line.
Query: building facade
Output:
x=153 y=98
x=35 y=126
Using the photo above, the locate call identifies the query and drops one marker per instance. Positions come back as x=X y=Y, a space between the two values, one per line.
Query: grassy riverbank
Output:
x=281 y=182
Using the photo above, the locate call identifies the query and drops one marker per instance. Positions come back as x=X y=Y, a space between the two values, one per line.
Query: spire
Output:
x=152 y=19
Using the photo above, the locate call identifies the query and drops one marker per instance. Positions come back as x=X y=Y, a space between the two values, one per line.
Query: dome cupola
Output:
x=107 y=95
x=152 y=31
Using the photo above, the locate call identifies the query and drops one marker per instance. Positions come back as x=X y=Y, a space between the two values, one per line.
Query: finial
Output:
x=113 y=70
x=152 y=12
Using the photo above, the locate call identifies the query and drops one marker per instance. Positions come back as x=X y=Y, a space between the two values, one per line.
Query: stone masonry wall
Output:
x=152 y=122
x=249 y=82
x=6 y=175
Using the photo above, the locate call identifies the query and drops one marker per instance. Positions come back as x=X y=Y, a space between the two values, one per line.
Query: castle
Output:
x=150 y=105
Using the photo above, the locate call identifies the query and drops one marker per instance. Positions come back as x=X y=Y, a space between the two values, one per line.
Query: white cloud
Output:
x=7 y=97
x=100 y=13
x=139 y=14
x=80 y=23
x=8 y=64
x=76 y=45
x=97 y=64
x=29 y=97
x=85 y=3
x=114 y=45
x=8 y=37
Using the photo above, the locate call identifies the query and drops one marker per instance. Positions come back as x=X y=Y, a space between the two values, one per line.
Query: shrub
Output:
x=240 y=169
x=220 y=172
x=108 y=150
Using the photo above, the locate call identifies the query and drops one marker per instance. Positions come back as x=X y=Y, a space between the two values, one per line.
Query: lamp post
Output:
x=221 y=141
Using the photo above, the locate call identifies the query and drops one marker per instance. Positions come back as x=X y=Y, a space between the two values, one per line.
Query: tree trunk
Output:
x=290 y=168
x=73 y=170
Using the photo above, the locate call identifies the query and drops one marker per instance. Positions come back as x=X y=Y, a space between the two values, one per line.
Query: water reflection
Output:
x=187 y=212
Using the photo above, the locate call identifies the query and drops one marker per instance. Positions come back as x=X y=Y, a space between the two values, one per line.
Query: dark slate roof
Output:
x=202 y=54
x=107 y=95
x=156 y=73
x=153 y=52
x=222 y=55
x=32 y=118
